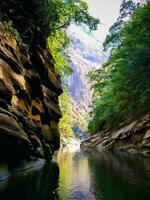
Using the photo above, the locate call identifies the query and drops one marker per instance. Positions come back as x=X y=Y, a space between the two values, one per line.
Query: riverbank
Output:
x=129 y=136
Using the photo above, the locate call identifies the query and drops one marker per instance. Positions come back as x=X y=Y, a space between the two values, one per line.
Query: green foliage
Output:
x=12 y=32
x=66 y=120
x=122 y=86
x=58 y=44
x=79 y=123
x=53 y=15
x=113 y=39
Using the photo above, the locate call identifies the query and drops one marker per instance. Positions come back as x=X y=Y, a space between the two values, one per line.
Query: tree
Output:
x=50 y=15
x=54 y=15
x=57 y=16
x=58 y=43
x=113 y=38
x=65 y=123
x=122 y=86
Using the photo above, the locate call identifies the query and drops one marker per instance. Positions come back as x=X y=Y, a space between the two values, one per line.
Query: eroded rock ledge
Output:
x=132 y=137
x=29 y=90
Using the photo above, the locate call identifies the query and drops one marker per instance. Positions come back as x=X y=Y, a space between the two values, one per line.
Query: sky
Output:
x=107 y=11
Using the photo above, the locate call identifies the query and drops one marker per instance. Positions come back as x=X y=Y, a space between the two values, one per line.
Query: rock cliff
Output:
x=29 y=89
x=86 y=54
x=130 y=136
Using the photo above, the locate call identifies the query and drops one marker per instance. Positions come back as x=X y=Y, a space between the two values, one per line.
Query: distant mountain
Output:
x=86 y=54
x=84 y=57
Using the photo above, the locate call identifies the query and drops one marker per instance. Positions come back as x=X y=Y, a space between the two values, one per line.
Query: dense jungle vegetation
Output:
x=122 y=85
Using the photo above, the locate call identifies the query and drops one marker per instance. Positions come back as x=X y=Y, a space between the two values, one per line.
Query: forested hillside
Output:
x=122 y=85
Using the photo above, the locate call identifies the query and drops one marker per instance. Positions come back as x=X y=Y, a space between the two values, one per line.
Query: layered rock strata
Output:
x=29 y=90
x=129 y=136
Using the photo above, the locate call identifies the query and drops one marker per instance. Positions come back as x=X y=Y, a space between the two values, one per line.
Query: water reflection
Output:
x=80 y=176
x=74 y=179
x=120 y=176
x=105 y=176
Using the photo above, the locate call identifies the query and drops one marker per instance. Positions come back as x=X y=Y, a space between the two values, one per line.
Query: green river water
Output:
x=75 y=175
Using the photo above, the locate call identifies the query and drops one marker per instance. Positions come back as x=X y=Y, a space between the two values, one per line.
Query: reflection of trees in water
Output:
x=33 y=185
x=108 y=177
x=120 y=176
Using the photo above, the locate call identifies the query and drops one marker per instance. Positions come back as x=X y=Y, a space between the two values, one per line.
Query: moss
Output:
x=7 y=29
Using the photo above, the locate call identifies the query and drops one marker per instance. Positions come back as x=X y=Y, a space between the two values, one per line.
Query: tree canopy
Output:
x=113 y=38
x=122 y=86
x=53 y=15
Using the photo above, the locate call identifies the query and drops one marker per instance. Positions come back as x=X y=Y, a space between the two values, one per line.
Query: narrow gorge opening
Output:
x=74 y=99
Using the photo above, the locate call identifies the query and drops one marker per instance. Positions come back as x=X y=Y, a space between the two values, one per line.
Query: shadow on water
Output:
x=34 y=184
x=120 y=177
x=75 y=175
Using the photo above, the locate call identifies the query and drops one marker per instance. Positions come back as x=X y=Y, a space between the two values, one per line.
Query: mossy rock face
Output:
x=29 y=89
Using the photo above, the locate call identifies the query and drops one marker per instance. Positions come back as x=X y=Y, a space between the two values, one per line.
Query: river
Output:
x=76 y=175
